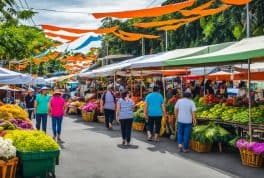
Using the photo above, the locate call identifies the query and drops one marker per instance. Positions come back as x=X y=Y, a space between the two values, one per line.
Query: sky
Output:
x=80 y=20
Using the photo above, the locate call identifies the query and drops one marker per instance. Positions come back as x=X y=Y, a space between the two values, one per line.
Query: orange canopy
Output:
x=70 y=38
x=236 y=2
x=176 y=72
x=172 y=27
x=79 y=31
x=127 y=36
x=158 y=23
x=204 y=12
x=150 y=12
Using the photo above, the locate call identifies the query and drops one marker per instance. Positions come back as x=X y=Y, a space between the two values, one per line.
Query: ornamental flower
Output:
x=255 y=147
x=89 y=107
x=7 y=150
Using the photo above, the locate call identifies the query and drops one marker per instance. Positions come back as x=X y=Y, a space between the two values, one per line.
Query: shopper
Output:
x=41 y=108
x=185 y=115
x=57 y=110
x=9 y=99
x=29 y=102
x=124 y=115
x=153 y=109
x=108 y=105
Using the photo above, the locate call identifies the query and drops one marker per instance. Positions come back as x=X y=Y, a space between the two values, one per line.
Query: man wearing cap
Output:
x=29 y=102
x=42 y=108
x=185 y=115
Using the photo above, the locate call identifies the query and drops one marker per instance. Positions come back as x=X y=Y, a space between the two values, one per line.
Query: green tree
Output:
x=19 y=42
x=10 y=14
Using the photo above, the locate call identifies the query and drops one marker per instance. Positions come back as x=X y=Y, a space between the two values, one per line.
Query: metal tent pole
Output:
x=204 y=90
x=143 y=46
x=166 y=40
x=141 y=87
x=249 y=80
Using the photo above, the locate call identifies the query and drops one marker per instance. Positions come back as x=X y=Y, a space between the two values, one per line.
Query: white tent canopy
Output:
x=110 y=70
x=157 y=60
x=9 y=77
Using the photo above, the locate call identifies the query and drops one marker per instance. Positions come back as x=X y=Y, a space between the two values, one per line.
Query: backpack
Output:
x=103 y=98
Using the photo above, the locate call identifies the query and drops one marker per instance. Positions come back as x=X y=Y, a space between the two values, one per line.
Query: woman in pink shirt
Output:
x=56 y=110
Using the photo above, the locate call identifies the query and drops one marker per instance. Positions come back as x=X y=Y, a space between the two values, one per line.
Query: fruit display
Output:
x=229 y=112
x=9 y=111
x=170 y=105
x=31 y=141
x=209 y=134
x=138 y=115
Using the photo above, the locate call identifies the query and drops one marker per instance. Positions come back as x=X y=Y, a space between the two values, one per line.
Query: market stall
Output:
x=25 y=151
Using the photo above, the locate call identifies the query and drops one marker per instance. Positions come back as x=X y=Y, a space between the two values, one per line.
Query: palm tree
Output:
x=10 y=12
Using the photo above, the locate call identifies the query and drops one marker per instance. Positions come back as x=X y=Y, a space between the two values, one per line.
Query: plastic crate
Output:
x=37 y=163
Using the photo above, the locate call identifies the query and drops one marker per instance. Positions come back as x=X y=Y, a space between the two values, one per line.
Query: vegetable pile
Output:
x=209 y=134
x=31 y=141
x=139 y=113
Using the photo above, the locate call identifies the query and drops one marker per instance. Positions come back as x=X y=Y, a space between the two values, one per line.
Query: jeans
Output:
x=109 y=117
x=30 y=112
x=184 y=133
x=126 y=127
x=41 y=118
x=154 y=120
x=56 y=125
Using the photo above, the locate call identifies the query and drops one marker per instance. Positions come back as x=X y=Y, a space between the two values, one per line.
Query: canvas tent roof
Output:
x=158 y=60
x=240 y=51
x=9 y=77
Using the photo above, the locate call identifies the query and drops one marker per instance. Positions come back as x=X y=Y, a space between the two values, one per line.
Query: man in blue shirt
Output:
x=153 y=110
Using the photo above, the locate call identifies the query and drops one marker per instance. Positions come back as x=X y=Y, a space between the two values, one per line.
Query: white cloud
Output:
x=76 y=20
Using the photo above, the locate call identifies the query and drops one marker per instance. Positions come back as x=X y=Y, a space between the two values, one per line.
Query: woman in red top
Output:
x=56 y=110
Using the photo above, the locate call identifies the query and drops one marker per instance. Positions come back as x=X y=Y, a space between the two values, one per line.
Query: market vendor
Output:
x=9 y=99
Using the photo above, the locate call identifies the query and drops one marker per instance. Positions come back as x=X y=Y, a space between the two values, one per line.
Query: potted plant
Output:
x=204 y=136
x=88 y=111
x=251 y=152
x=8 y=159
x=37 y=152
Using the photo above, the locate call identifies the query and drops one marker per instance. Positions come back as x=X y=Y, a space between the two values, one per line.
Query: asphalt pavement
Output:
x=91 y=151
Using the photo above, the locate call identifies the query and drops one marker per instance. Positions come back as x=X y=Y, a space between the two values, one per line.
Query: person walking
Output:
x=29 y=102
x=57 y=110
x=185 y=115
x=41 y=108
x=108 y=106
x=154 y=108
x=124 y=115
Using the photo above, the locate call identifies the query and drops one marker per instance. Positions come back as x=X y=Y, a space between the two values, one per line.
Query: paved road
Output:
x=90 y=151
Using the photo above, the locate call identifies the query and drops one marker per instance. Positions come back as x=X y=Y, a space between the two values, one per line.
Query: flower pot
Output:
x=34 y=164
x=8 y=168
x=251 y=159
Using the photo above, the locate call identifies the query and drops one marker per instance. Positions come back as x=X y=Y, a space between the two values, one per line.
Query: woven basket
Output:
x=250 y=159
x=101 y=119
x=8 y=168
x=200 y=147
x=137 y=126
x=88 y=116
